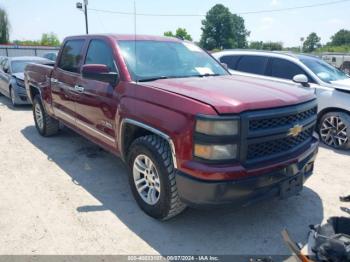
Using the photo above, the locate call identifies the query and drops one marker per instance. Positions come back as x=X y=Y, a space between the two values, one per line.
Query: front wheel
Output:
x=13 y=97
x=334 y=130
x=45 y=124
x=152 y=177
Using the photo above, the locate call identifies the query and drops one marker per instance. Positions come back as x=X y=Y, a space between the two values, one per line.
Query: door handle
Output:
x=79 y=88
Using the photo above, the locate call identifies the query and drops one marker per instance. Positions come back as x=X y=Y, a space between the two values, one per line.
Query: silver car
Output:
x=12 y=77
x=331 y=85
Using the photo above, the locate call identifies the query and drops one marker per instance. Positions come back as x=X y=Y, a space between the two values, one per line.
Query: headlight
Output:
x=216 y=138
x=216 y=152
x=217 y=127
x=20 y=82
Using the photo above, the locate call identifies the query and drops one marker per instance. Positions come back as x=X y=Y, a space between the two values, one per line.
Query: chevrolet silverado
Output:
x=189 y=133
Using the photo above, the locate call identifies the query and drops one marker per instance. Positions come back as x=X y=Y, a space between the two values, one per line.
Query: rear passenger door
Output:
x=64 y=79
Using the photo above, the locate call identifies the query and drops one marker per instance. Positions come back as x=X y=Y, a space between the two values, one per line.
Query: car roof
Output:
x=27 y=58
x=281 y=54
x=122 y=37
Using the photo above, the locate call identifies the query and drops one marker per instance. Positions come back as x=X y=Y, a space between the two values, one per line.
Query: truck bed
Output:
x=37 y=75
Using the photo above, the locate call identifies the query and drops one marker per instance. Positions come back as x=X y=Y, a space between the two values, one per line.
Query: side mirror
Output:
x=99 y=72
x=301 y=79
x=5 y=69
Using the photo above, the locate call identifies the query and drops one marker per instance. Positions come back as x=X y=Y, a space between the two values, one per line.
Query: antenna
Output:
x=135 y=39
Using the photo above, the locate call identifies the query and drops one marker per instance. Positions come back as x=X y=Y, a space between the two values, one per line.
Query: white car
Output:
x=331 y=85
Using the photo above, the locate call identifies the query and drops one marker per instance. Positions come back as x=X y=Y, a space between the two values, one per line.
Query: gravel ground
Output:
x=64 y=195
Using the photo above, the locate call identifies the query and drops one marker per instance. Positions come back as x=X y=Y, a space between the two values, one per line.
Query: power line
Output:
x=294 y=8
x=239 y=13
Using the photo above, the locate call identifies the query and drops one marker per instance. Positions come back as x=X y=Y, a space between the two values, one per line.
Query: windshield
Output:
x=166 y=59
x=324 y=71
x=18 y=66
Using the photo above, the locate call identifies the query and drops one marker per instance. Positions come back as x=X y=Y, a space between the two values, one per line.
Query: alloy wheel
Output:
x=333 y=131
x=146 y=179
x=39 y=116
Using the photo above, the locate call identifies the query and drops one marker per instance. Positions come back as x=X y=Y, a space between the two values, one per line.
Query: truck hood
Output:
x=341 y=84
x=235 y=94
x=19 y=75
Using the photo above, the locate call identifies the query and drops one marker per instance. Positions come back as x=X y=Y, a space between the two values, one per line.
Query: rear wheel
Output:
x=152 y=177
x=335 y=130
x=45 y=124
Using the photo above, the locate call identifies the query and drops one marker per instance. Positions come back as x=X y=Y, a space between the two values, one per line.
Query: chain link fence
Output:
x=16 y=50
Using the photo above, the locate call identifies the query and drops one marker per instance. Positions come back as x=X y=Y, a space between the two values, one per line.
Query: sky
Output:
x=30 y=18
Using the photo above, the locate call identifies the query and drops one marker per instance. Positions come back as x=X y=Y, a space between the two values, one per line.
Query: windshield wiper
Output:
x=204 y=75
x=153 y=78
x=167 y=77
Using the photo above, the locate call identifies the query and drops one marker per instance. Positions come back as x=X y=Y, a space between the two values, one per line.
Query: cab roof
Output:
x=121 y=37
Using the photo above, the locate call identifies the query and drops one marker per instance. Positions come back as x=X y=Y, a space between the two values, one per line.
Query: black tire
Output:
x=331 y=139
x=157 y=149
x=14 y=104
x=50 y=126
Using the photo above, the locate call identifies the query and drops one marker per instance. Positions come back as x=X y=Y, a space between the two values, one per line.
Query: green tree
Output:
x=273 y=46
x=312 y=42
x=4 y=27
x=169 y=34
x=221 y=29
x=342 y=37
x=180 y=33
x=26 y=42
x=258 y=45
x=49 y=39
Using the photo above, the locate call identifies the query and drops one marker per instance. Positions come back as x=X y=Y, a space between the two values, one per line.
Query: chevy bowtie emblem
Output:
x=295 y=130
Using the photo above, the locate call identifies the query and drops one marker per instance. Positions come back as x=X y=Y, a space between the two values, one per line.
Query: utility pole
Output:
x=86 y=16
x=301 y=44
x=79 y=5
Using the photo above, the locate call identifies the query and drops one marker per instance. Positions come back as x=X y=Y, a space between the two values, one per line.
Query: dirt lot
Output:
x=63 y=195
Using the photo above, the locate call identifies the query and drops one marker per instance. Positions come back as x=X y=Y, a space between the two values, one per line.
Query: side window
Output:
x=252 y=64
x=100 y=52
x=230 y=60
x=71 y=55
x=285 y=69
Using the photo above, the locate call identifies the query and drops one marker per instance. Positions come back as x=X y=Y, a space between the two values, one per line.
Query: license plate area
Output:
x=291 y=186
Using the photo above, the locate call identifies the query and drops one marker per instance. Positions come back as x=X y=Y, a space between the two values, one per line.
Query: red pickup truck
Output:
x=190 y=133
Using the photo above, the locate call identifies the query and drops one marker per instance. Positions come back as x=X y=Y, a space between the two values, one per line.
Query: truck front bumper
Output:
x=280 y=183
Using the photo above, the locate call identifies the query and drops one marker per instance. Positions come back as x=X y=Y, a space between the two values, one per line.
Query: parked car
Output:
x=51 y=56
x=189 y=133
x=12 y=77
x=331 y=85
x=338 y=60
